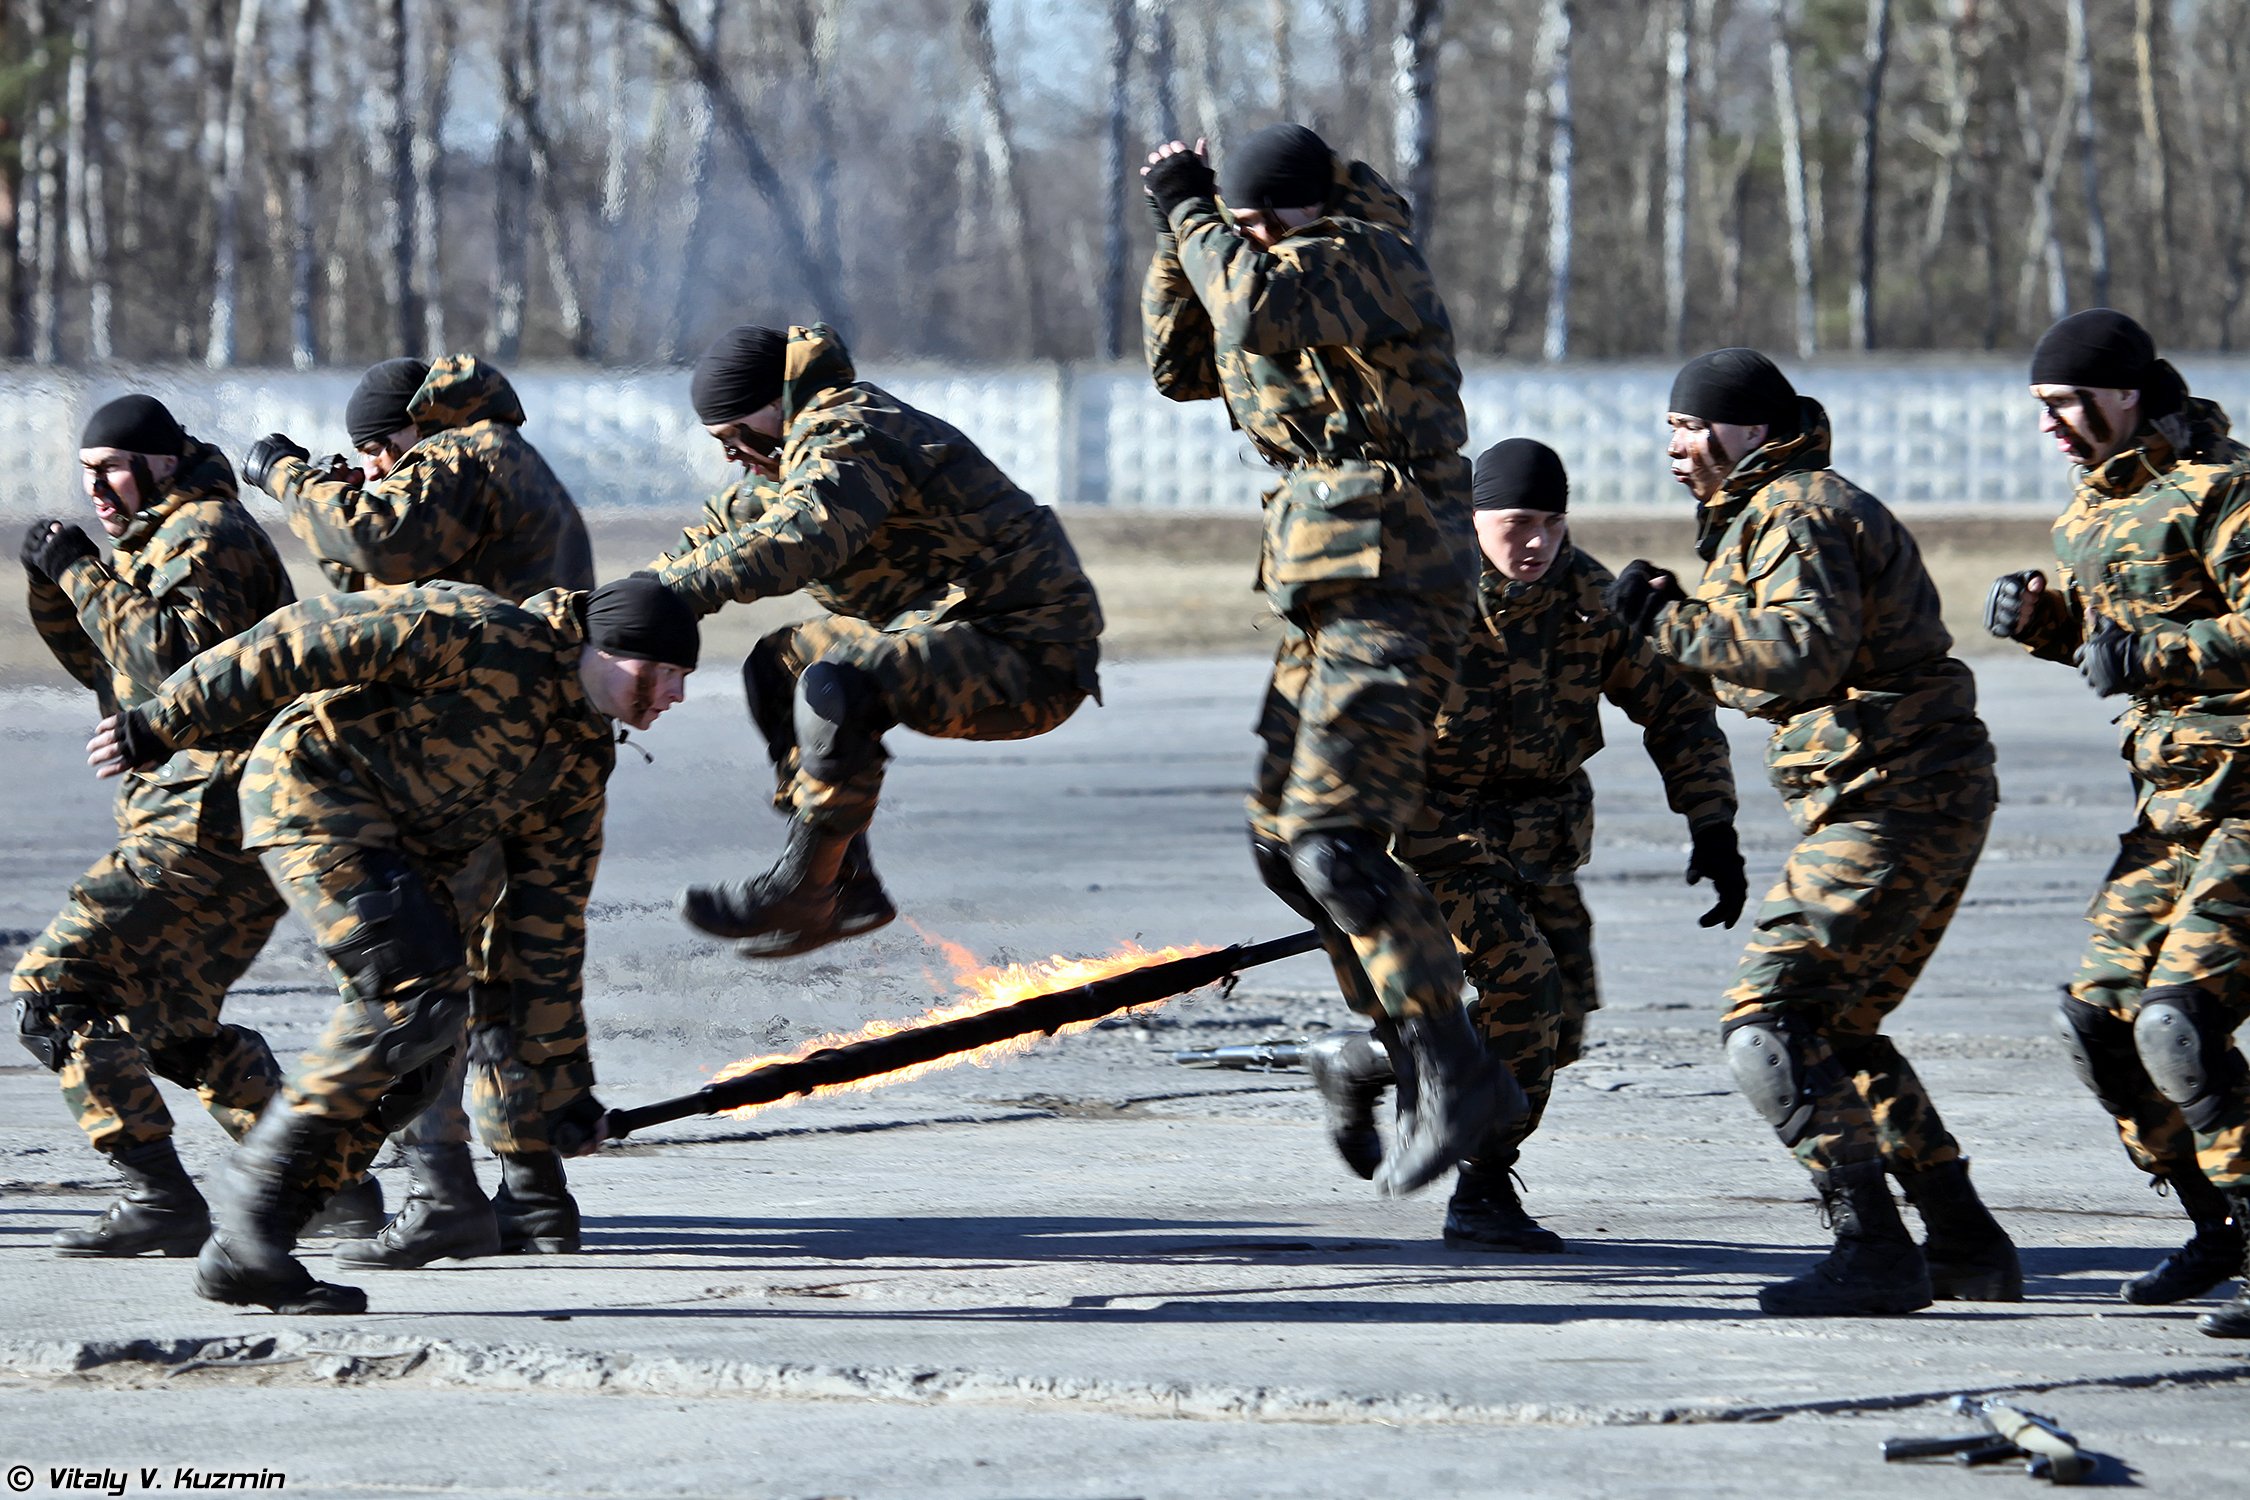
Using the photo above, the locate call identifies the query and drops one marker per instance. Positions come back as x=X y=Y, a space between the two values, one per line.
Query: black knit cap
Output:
x=379 y=402
x=638 y=617
x=136 y=424
x=739 y=374
x=2103 y=349
x=1520 y=474
x=1737 y=386
x=1282 y=166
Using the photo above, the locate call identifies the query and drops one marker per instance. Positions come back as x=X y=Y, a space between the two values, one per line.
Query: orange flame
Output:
x=984 y=988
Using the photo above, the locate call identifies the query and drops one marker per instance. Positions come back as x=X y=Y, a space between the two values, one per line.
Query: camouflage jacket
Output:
x=886 y=514
x=2158 y=541
x=432 y=721
x=190 y=571
x=1334 y=355
x=471 y=501
x=1507 y=762
x=1815 y=613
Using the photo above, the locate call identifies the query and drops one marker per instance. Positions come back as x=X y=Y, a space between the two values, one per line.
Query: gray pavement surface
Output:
x=1088 y=1272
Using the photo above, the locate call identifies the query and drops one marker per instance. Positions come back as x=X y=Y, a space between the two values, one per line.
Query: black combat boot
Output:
x=1485 y=1214
x=159 y=1210
x=537 y=1214
x=794 y=907
x=2210 y=1260
x=862 y=905
x=1450 y=1095
x=2233 y=1320
x=446 y=1216
x=1351 y=1070
x=353 y=1212
x=1875 y=1269
x=1970 y=1257
x=261 y=1199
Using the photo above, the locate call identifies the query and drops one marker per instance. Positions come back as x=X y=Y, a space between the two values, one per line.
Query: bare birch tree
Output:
x=1161 y=68
x=391 y=159
x=1117 y=179
x=440 y=36
x=226 y=265
x=304 y=346
x=1867 y=156
x=520 y=86
x=2089 y=163
x=701 y=119
x=996 y=140
x=1279 y=16
x=1677 y=76
x=84 y=187
x=1561 y=157
x=1414 y=86
x=2151 y=59
x=39 y=228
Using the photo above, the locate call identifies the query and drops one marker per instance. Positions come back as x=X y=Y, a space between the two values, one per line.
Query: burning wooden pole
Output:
x=877 y=1055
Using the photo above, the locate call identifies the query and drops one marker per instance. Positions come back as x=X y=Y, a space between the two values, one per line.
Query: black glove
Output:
x=1636 y=596
x=265 y=453
x=571 y=1128
x=2003 y=607
x=138 y=742
x=2108 y=661
x=51 y=546
x=1715 y=854
x=1178 y=178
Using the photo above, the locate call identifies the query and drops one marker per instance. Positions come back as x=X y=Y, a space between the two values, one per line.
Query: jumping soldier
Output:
x=957 y=608
x=447 y=488
x=1815 y=614
x=130 y=976
x=2155 y=604
x=1305 y=306
x=411 y=728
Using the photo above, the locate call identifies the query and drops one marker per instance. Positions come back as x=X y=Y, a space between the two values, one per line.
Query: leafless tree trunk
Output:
x=511 y=210
x=1560 y=156
x=226 y=263
x=2043 y=237
x=1162 y=66
x=1677 y=76
x=2082 y=89
x=1117 y=176
x=2151 y=56
x=997 y=141
x=304 y=348
x=688 y=294
x=1204 y=76
x=1959 y=80
x=1352 y=23
x=1414 y=84
x=1279 y=14
x=391 y=155
x=439 y=38
x=1781 y=54
x=85 y=189
x=520 y=86
x=351 y=228
x=610 y=252
x=39 y=231
x=1522 y=183
x=2232 y=219
x=1866 y=159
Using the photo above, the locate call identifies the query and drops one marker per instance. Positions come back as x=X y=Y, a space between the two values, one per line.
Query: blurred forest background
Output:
x=275 y=182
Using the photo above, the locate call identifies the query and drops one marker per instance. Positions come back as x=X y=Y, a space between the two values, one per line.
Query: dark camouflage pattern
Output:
x=1334 y=355
x=150 y=939
x=431 y=722
x=471 y=501
x=1816 y=614
x=1558 y=910
x=887 y=515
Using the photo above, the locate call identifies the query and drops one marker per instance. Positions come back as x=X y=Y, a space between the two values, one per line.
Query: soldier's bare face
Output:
x=113 y=481
x=2089 y=426
x=753 y=441
x=378 y=456
x=633 y=692
x=1704 y=453
x=1265 y=228
x=1522 y=544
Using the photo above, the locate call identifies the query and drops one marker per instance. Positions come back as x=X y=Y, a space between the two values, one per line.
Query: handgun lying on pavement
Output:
x=2009 y=1432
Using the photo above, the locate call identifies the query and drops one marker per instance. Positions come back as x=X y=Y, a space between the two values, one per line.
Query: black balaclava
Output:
x=739 y=374
x=379 y=402
x=1520 y=474
x=1282 y=166
x=136 y=424
x=2103 y=349
x=640 y=618
x=1740 y=387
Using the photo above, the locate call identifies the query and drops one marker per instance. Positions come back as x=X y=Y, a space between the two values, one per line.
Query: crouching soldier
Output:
x=2155 y=604
x=411 y=728
x=957 y=609
x=1815 y=614
x=130 y=976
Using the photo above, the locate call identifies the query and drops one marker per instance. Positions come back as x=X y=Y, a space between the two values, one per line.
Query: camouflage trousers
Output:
x=2175 y=911
x=1358 y=679
x=950 y=681
x=1519 y=1004
x=1558 y=910
x=1861 y=905
x=137 y=965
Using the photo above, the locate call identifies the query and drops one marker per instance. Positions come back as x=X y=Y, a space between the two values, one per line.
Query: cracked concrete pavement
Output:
x=1089 y=1272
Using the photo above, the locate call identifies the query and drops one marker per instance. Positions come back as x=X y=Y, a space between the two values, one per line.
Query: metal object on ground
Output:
x=920 y=1044
x=1253 y=1057
x=2009 y=1432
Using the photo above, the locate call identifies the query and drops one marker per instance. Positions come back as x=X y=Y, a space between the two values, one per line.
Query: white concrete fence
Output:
x=1929 y=435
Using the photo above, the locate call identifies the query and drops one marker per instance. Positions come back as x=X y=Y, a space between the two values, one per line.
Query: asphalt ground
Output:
x=1089 y=1272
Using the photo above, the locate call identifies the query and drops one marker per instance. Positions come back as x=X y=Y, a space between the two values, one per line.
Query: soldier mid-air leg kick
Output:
x=445 y=487
x=957 y=609
x=1307 y=308
x=1816 y=614
x=130 y=977
x=2155 y=604
x=410 y=729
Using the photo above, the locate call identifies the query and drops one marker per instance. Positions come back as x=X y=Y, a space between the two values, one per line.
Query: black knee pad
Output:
x=1350 y=873
x=1280 y=876
x=185 y=1060
x=1773 y=1066
x=2189 y=1054
x=403 y=934
x=840 y=719
x=2100 y=1046
x=46 y=1024
x=414 y=1091
x=771 y=693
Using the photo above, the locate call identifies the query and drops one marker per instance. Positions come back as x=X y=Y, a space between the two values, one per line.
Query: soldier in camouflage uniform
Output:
x=446 y=488
x=958 y=608
x=1816 y=614
x=409 y=729
x=1305 y=306
x=2155 y=603
x=1510 y=817
x=130 y=977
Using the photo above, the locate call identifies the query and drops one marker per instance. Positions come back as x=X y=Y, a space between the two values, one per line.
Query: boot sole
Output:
x=2186 y=1294
x=1875 y=1307
x=1455 y=1241
x=173 y=1249
x=2230 y=1326
x=790 y=944
x=321 y=1299
x=344 y=1257
x=1996 y=1287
